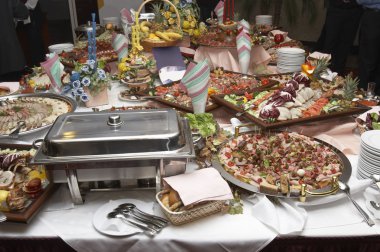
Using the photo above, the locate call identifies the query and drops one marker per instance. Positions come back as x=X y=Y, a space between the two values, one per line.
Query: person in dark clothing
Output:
x=206 y=7
x=341 y=24
x=33 y=31
x=12 y=60
x=369 y=44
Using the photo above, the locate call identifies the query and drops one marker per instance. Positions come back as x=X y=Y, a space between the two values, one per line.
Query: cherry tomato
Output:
x=264 y=82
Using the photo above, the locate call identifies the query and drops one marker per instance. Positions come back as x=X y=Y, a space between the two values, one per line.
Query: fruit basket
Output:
x=157 y=38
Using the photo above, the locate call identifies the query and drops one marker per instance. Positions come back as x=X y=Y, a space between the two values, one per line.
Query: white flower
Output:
x=85 y=69
x=101 y=71
x=86 y=81
x=76 y=84
x=102 y=76
x=80 y=91
x=84 y=97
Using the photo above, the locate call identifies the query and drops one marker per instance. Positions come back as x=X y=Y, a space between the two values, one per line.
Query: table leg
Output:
x=72 y=180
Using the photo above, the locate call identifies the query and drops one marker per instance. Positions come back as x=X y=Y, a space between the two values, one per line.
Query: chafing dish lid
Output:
x=100 y=133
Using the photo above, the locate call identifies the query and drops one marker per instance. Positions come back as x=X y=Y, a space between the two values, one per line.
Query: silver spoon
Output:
x=375 y=205
x=376 y=179
x=134 y=208
x=150 y=222
x=145 y=228
x=345 y=188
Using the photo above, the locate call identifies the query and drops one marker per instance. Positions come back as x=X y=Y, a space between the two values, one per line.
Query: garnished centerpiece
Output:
x=89 y=81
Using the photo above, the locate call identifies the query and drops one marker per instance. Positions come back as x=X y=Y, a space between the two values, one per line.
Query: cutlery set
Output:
x=131 y=215
x=346 y=189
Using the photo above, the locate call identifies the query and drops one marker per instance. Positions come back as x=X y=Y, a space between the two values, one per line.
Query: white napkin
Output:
x=319 y=55
x=329 y=75
x=60 y=201
x=284 y=217
x=201 y=185
x=288 y=215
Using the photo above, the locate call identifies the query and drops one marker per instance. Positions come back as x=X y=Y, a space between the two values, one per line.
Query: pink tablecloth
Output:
x=228 y=57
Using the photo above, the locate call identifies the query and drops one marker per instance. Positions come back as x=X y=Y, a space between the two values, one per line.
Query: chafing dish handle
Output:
x=37 y=143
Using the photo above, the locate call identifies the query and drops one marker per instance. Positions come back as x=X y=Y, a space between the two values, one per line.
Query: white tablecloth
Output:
x=215 y=233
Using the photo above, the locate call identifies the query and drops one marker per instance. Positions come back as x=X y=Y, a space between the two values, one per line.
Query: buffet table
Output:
x=334 y=226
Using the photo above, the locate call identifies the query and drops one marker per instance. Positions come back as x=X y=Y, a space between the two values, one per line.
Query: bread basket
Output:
x=149 y=44
x=198 y=212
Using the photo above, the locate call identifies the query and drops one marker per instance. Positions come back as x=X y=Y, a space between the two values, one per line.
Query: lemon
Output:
x=186 y=24
x=171 y=21
x=193 y=24
x=167 y=14
x=32 y=83
x=196 y=33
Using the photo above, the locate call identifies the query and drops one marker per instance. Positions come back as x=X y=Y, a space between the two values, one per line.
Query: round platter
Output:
x=12 y=99
x=344 y=177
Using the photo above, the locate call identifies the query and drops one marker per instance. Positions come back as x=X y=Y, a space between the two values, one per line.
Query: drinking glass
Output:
x=371 y=90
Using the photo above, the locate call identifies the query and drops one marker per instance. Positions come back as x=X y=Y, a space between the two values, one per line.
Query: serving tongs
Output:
x=14 y=134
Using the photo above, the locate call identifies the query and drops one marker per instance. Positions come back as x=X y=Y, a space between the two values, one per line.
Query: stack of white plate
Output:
x=264 y=19
x=369 y=158
x=290 y=59
x=58 y=48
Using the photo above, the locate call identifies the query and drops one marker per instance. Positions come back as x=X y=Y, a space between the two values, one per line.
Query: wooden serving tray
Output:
x=26 y=214
x=213 y=106
x=177 y=105
x=29 y=212
x=219 y=99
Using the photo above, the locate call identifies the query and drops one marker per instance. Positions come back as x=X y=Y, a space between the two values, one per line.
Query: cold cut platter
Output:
x=28 y=113
x=297 y=101
x=279 y=163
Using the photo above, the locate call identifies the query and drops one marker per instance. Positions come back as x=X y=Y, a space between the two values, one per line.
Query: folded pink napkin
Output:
x=244 y=46
x=120 y=45
x=196 y=81
x=244 y=25
x=201 y=185
x=126 y=15
x=52 y=67
x=219 y=10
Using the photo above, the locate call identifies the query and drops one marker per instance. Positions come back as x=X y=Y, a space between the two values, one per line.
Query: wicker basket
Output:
x=149 y=44
x=179 y=218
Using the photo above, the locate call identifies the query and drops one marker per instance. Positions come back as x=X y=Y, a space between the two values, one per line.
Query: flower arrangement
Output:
x=87 y=78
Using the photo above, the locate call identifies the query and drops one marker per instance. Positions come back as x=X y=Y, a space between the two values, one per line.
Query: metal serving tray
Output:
x=27 y=137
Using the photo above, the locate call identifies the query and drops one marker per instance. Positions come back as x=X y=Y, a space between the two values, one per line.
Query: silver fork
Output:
x=14 y=134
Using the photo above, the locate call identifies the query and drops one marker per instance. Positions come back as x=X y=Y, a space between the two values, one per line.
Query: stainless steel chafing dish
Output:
x=135 y=138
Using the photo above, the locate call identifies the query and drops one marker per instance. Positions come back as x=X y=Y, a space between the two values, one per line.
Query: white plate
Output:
x=11 y=86
x=372 y=139
x=291 y=50
x=115 y=226
x=58 y=48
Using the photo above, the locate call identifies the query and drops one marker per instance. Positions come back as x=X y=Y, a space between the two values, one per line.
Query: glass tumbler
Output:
x=371 y=90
